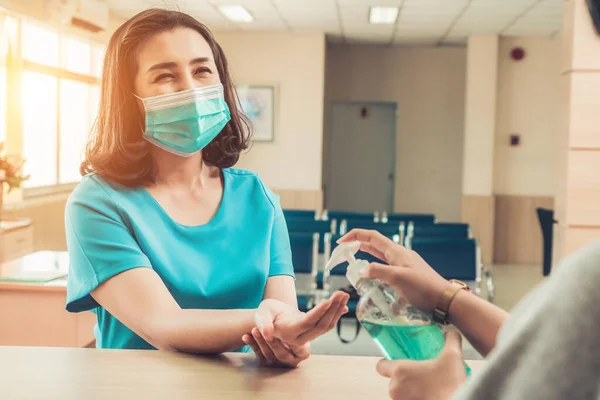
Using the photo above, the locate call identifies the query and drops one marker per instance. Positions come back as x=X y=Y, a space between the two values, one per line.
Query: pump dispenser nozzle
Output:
x=345 y=253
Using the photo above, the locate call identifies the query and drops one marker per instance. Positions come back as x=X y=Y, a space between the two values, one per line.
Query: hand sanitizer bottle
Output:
x=400 y=330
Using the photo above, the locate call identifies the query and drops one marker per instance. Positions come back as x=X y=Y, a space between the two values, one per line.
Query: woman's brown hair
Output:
x=117 y=150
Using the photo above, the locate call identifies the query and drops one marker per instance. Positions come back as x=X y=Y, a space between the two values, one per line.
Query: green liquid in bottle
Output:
x=412 y=342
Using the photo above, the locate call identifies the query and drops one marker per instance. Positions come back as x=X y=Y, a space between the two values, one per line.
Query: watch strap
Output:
x=440 y=314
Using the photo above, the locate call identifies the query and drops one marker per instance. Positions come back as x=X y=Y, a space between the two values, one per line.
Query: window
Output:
x=39 y=105
x=4 y=29
x=97 y=60
x=2 y=103
x=39 y=45
x=60 y=92
x=77 y=55
x=75 y=122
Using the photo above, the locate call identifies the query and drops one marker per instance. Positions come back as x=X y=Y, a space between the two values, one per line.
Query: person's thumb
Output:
x=264 y=321
x=453 y=345
x=388 y=274
x=387 y=368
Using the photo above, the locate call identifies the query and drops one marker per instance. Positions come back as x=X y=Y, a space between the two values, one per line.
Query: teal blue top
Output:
x=223 y=264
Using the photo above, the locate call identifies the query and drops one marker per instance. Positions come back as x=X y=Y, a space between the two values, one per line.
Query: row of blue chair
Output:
x=448 y=248
x=305 y=221
x=375 y=216
x=453 y=258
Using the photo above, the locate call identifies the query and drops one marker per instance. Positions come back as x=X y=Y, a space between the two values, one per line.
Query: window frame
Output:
x=16 y=67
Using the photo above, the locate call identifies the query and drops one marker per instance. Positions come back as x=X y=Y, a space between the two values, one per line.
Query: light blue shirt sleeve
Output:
x=99 y=243
x=281 y=252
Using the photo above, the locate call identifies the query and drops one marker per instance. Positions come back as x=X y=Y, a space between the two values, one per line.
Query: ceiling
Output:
x=420 y=22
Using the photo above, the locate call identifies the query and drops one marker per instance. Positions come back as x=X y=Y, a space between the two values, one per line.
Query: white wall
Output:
x=295 y=63
x=528 y=104
x=429 y=86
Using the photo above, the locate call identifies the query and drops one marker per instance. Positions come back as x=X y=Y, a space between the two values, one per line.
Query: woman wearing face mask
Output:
x=170 y=247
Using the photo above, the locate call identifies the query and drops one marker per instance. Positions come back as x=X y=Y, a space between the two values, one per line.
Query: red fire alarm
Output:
x=518 y=53
x=515 y=140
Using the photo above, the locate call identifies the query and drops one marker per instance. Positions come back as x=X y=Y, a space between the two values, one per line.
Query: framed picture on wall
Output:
x=258 y=103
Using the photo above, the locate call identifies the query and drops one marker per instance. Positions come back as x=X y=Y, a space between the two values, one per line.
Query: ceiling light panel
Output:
x=236 y=13
x=383 y=15
x=370 y=3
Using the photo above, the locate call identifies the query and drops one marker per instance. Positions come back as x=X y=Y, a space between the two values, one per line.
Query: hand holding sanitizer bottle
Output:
x=400 y=330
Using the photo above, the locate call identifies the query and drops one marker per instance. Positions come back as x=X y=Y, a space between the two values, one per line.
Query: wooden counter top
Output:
x=74 y=374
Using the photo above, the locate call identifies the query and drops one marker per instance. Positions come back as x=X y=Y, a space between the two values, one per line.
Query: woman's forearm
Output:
x=202 y=331
x=477 y=319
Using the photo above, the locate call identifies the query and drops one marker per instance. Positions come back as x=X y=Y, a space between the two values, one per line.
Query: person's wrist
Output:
x=437 y=292
x=251 y=321
x=455 y=304
x=440 y=289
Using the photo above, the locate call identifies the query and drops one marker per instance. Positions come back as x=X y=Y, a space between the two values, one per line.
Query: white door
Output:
x=361 y=157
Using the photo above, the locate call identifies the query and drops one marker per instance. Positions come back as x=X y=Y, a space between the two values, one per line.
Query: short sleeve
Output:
x=281 y=252
x=99 y=243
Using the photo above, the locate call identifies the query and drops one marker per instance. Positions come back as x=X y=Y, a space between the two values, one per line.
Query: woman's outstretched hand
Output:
x=283 y=333
x=275 y=319
x=275 y=353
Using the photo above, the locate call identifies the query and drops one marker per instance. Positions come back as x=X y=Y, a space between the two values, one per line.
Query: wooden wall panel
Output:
x=583 y=185
x=582 y=47
x=583 y=110
x=478 y=211
x=517 y=233
x=578 y=189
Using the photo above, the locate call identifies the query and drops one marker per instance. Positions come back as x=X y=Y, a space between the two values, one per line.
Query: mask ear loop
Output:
x=143 y=125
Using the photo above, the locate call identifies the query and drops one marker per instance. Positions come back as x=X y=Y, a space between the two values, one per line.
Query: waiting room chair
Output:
x=455 y=258
x=302 y=214
x=304 y=248
x=360 y=216
x=439 y=230
x=547 y=221
x=406 y=218
x=303 y=225
x=391 y=229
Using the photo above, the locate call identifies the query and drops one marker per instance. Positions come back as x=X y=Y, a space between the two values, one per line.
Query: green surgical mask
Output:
x=184 y=123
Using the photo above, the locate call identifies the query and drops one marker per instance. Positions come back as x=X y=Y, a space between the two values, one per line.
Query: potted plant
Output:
x=11 y=174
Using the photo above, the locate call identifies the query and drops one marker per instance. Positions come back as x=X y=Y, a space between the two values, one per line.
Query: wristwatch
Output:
x=440 y=314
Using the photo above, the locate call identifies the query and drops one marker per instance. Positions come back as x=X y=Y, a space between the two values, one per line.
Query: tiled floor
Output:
x=512 y=283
